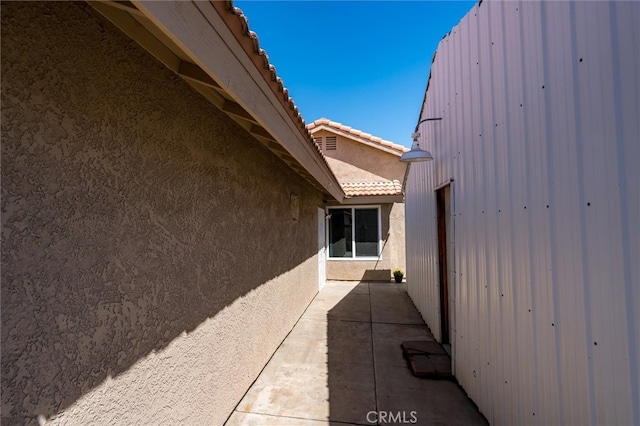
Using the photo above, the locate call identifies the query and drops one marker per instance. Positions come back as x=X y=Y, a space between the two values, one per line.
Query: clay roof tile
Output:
x=354 y=189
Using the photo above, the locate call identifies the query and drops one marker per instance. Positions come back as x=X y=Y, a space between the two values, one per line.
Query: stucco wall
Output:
x=393 y=251
x=150 y=265
x=356 y=162
x=353 y=161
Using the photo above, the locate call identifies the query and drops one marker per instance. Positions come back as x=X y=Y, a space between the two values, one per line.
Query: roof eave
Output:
x=365 y=141
x=200 y=46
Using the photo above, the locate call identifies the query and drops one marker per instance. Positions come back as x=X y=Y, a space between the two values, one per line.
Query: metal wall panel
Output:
x=541 y=134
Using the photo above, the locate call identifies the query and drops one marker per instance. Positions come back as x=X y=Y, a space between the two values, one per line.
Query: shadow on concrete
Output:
x=342 y=364
x=368 y=379
x=379 y=275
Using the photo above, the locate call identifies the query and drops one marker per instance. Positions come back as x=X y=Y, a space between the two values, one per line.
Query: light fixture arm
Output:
x=427 y=119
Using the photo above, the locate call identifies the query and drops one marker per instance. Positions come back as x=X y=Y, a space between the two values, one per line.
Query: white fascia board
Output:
x=199 y=31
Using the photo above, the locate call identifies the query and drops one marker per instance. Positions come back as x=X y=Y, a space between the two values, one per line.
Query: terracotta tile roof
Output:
x=249 y=41
x=238 y=23
x=386 y=187
x=357 y=134
x=239 y=26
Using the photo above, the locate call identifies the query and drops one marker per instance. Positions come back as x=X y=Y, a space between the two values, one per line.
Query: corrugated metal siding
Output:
x=540 y=132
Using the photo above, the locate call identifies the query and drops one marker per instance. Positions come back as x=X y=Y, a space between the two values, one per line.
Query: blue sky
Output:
x=362 y=63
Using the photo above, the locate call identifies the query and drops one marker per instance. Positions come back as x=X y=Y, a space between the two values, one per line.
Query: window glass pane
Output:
x=340 y=238
x=366 y=232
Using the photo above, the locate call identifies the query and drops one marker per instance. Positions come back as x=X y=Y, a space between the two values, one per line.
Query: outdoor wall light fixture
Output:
x=416 y=153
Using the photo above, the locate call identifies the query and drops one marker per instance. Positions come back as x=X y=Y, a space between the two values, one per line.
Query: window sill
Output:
x=351 y=259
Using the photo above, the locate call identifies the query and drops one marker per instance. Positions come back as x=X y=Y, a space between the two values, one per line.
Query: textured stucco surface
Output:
x=353 y=161
x=150 y=265
x=393 y=252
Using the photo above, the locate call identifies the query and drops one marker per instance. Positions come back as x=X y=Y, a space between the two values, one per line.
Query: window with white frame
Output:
x=354 y=232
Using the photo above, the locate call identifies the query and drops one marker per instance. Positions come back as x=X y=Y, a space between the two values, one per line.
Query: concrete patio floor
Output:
x=342 y=364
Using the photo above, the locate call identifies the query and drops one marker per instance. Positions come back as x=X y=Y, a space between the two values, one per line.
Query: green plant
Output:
x=398 y=272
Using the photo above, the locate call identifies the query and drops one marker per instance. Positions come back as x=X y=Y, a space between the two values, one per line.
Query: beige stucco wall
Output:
x=393 y=252
x=354 y=161
x=150 y=265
